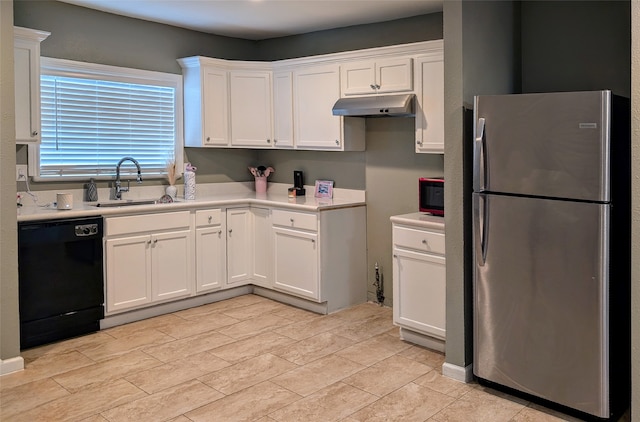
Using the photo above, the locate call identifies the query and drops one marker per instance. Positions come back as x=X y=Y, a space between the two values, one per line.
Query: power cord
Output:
x=33 y=196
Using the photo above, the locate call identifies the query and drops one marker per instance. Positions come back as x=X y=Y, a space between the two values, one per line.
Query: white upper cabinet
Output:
x=377 y=77
x=283 y=109
x=315 y=91
x=287 y=104
x=206 y=103
x=430 y=104
x=250 y=111
x=26 y=52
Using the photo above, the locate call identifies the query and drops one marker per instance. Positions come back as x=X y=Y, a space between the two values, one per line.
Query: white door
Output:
x=262 y=247
x=239 y=250
x=251 y=109
x=171 y=260
x=128 y=272
x=215 y=112
x=394 y=75
x=283 y=110
x=358 y=78
x=316 y=90
x=430 y=106
x=296 y=262
x=211 y=259
x=27 y=88
x=419 y=292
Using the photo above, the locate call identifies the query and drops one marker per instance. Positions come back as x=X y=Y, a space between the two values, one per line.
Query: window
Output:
x=93 y=115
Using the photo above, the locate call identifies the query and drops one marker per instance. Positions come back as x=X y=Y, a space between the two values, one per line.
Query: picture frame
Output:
x=324 y=189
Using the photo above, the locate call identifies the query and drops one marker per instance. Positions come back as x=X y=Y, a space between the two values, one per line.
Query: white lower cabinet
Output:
x=211 y=256
x=296 y=262
x=321 y=256
x=148 y=260
x=419 y=283
x=262 y=267
x=239 y=246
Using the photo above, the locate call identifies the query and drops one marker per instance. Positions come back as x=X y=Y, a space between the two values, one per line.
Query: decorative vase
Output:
x=261 y=184
x=172 y=191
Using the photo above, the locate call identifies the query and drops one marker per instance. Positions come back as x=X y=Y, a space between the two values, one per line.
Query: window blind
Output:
x=88 y=125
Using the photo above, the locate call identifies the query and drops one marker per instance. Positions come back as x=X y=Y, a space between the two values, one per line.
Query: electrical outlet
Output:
x=21 y=172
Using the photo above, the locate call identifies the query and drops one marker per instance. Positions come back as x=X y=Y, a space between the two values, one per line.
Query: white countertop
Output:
x=419 y=219
x=211 y=195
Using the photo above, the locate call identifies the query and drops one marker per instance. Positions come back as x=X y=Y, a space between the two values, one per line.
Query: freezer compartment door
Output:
x=552 y=144
x=541 y=298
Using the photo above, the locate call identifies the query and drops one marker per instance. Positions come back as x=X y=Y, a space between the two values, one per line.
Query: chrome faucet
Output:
x=119 y=189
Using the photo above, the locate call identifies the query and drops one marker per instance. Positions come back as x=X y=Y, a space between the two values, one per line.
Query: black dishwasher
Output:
x=60 y=279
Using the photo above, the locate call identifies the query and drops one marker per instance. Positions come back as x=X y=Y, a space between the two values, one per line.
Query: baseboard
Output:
x=8 y=366
x=319 y=308
x=422 y=340
x=169 y=307
x=458 y=373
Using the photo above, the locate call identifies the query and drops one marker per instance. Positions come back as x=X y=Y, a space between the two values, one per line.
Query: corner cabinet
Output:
x=148 y=260
x=26 y=52
x=419 y=279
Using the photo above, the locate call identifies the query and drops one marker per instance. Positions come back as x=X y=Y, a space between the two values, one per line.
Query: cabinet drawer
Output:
x=209 y=217
x=296 y=220
x=146 y=223
x=421 y=240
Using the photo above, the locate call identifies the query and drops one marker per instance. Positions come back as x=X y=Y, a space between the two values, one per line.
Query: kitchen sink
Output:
x=129 y=202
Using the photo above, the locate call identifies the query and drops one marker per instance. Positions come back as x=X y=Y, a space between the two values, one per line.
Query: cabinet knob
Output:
x=275 y=141
x=291 y=219
x=210 y=218
x=34 y=133
x=268 y=141
x=155 y=241
x=313 y=241
x=418 y=142
x=424 y=241
x=337 y=142
x=208 y=138
x=395 y=256
x=148 y=242
x=230 y=230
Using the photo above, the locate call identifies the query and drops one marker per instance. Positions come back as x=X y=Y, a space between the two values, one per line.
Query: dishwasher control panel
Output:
x=86 y=229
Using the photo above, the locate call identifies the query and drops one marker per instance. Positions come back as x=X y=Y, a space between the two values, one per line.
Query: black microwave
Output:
x=431 y=195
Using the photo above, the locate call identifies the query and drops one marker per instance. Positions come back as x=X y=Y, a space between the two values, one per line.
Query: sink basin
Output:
x=127 y=202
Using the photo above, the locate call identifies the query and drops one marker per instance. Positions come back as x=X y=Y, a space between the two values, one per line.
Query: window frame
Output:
x=75 y=69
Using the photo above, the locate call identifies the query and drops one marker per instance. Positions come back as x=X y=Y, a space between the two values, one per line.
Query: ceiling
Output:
x=261 y=19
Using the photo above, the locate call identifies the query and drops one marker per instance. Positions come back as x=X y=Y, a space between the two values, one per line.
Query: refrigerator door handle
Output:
x=479 y=158
x=481 y=233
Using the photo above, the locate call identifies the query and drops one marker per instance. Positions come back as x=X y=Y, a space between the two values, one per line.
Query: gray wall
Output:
x=480 y=57
x=9 y=324
x=391 y=166
x=589 y=53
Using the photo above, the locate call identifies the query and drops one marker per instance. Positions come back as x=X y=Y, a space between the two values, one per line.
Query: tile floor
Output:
x=250 y=359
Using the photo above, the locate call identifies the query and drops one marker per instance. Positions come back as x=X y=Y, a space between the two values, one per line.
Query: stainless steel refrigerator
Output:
x=551 y=222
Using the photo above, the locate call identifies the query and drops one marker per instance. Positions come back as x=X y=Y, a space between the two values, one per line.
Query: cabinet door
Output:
x=430 y=106
x=128 y=272
x=251 y=109
x=394 y=75
x=171 y=259
x=27 y=91
x=419 y=292
x=316 y=90
x=262 y=250
x=211 y=259
x=296 y=262
x=358 y=78
x=215 y=113
x=239 y=250
x=283 y=110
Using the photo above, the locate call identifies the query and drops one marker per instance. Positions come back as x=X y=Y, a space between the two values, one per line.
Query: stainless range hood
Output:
x=399 y=105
